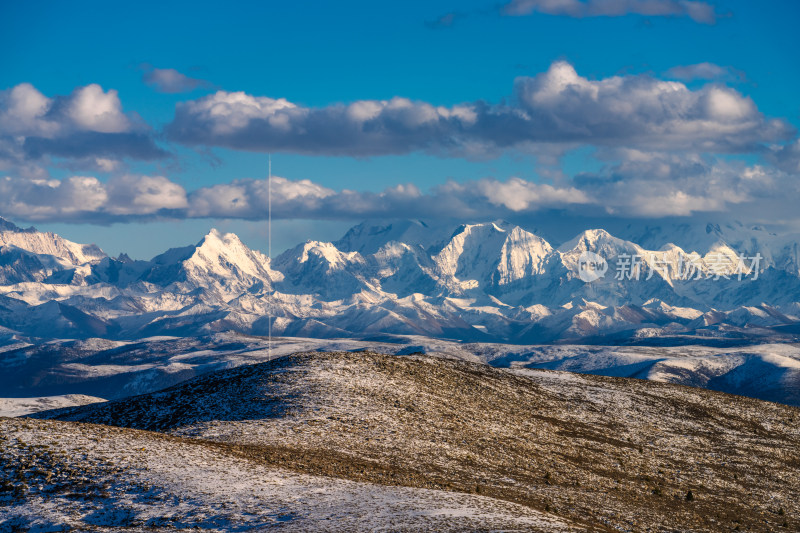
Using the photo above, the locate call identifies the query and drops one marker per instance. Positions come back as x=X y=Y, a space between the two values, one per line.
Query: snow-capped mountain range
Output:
x=493 y=282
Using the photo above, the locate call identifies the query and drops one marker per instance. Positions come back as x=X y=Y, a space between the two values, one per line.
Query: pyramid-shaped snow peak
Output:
x=494 y=253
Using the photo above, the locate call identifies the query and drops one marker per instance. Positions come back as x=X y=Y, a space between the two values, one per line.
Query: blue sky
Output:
x=723 y=143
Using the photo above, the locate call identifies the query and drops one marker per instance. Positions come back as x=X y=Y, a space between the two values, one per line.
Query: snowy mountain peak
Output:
x=327 y=252
x=701 y=238
x=6 y=225
x=217 y=242
x=523 y=255
x=472 y=251
x=491 y=279
x=220 y=261
x=59 y=251
x=494 y=253
x=595 y=240
x=220 y=252
x=518 y=235
x=483 y=228
x=321 y=269
x=368 y=237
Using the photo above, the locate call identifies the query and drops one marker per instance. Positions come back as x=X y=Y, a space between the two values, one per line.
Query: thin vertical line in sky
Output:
x=269 y=257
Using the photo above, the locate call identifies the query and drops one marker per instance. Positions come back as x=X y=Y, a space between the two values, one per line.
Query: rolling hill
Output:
x=601 y=453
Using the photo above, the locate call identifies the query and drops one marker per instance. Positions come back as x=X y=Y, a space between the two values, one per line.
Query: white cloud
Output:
x=106 y=165
x=639 y=184
x=725 y=105
x=640 y=111
x=22 y=112
x=369 y=127
x=445 y=21
x=82 y=198
x=27 y=112
x=87 y=199
x=305 y=199
x=93 y=109
x=518 y=195
x=654 y=185
x=144 y=195
x=227 y=113
x=555 y=107
x=249 y=198
x=87 y=127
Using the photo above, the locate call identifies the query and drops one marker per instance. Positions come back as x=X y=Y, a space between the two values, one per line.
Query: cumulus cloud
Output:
x=701 y=12
x=169 y=80
x=87 y=199
x=92 y=109
x=555 y=107
x=640 y=111
x=23 y=111
x=136 y=197
x=304 y=199
x=519 y=195
x=87 y=125
x=363 y=128
x=638 y=185
x=249 y=198
x=654 y=185
x=144 y=195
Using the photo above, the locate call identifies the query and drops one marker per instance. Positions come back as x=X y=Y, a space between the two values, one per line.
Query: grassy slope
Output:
x=60 y=475
x=610 y=453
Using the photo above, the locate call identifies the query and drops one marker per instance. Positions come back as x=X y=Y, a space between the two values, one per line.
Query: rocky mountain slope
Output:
x=603 y=453
x=490 y=282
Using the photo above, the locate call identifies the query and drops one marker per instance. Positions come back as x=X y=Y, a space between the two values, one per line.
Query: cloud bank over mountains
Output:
x=648 y=187
x=133 y=197
x=556 y=106
x=665 y=149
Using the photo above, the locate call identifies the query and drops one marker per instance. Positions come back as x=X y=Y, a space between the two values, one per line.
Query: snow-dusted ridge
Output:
x=489 y=281
x=114 y=370
x=94 y=478
x=592 y=452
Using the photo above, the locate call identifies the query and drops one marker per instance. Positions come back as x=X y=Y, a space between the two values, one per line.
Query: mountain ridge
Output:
x=491 y=282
